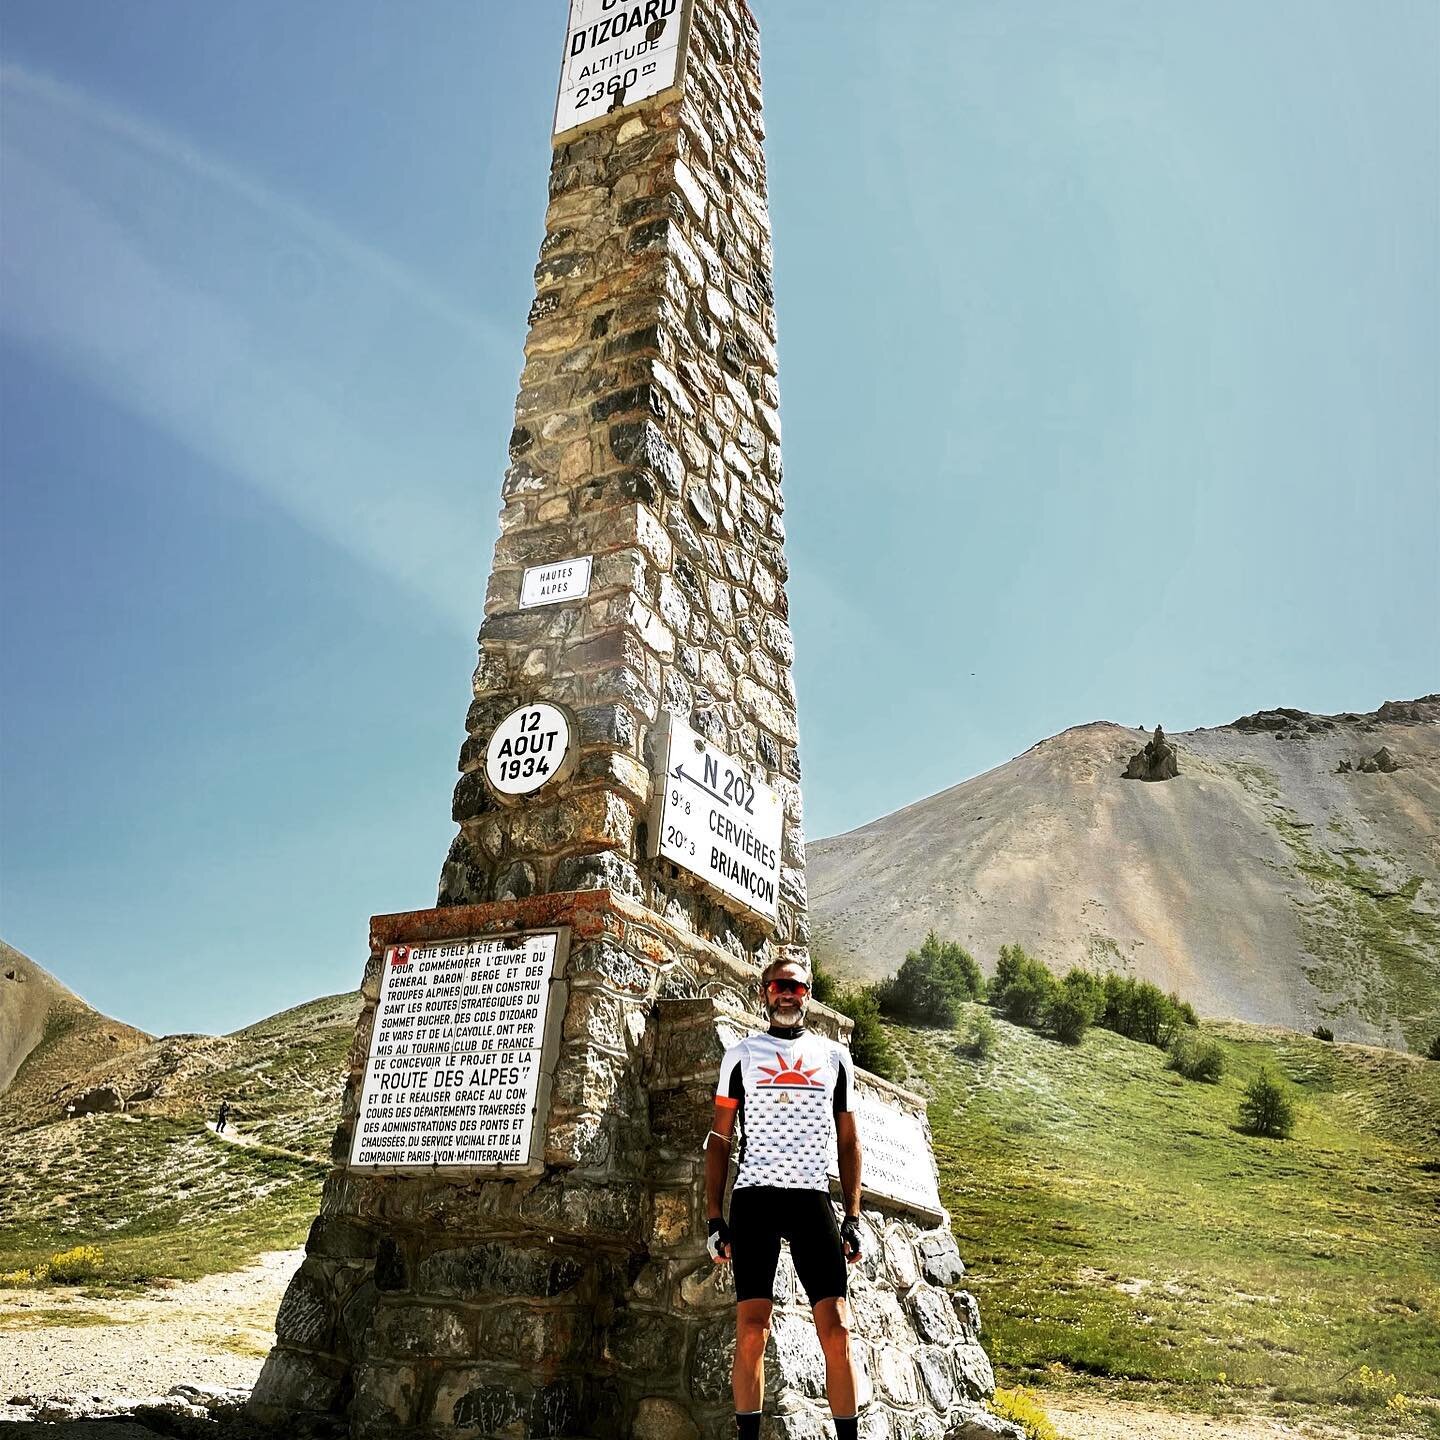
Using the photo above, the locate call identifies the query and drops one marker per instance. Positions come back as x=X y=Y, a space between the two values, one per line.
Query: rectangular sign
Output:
x=618 y=52
x=896 y=1159
x=457 y=1074
x=550 y=584
x=715 y=820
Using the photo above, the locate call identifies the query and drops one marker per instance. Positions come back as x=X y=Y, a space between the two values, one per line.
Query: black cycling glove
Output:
x=850 y=1236
x=718 y=1242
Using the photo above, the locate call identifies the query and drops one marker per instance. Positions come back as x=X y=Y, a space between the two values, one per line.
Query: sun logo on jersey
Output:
x=791 y=1075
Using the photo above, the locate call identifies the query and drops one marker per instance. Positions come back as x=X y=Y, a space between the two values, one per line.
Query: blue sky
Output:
x=1110 y=359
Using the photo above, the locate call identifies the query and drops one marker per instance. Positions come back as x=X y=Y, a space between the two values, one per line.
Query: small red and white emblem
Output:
x=399 y=955
x=790 y=1075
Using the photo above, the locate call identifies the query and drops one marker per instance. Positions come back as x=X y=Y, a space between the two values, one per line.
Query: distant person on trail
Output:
x=222 y=1117
x=786 y=1088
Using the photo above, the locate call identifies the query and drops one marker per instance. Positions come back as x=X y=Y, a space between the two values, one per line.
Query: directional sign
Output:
x=616 y=53
x=717 y=821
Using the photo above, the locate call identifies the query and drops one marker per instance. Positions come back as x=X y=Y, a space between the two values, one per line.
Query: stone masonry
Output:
x=647 y=434
x=580 y=1301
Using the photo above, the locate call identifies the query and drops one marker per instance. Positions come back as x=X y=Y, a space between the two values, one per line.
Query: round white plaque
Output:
x=529 y=749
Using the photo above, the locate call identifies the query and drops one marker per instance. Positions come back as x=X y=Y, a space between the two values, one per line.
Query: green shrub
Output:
x=1265 y=1108
x=869 y=1044
x=932 y=984
x=1185 y=1010
x=1201 y=1060
x=977 y=1041
x=1139 y=1010
x=1433 y=1053
x=1323 y=1032
x=1023 y=987
x=823 y=985
x=1073 y=1006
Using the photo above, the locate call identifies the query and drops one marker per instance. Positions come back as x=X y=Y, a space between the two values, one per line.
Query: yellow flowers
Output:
x=1376 y=1387
x=1219 y=1377
x=67 y=1267
x=1025 y=1410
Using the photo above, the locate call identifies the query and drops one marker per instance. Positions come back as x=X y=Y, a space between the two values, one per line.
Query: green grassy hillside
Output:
x=155 y=1189
x=1117 y=1224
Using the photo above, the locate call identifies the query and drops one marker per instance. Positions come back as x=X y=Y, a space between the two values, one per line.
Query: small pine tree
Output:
x=1073 y=1006
x=1265 y=1108
x=1023 y=988
x=932 y=984
x=1323 y=1032
x=869 y=1044
x=978 y=1039
x=823 y=985
x=1433 y=1053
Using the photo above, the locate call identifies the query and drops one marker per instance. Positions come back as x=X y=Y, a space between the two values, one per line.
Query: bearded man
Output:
x=789 y=1090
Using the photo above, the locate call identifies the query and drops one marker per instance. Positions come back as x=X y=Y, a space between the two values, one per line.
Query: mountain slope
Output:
x=1262 y=884
x=154 y=1187
x=1117 y=1224
x=48 y=1033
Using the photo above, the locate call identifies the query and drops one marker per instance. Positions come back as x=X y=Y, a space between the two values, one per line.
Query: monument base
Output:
x=580 y=1301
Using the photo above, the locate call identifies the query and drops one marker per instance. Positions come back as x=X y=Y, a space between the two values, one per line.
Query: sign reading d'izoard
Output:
x=716 y=820
x=618 y=52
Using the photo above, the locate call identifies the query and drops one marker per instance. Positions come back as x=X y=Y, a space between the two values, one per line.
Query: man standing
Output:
x=786 y=1088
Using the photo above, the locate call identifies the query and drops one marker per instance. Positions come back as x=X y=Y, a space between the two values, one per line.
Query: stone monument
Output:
x=511 y=1243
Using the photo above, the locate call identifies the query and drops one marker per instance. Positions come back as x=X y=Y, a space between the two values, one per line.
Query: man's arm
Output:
x=717 y=1155
x=847 y=1144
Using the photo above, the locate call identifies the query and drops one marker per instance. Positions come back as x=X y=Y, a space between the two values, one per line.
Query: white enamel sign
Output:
x=550 y=584
x=715 y=820
x=618 y=52
x=897 y=1160
x=531 y=747
x=456 y=1074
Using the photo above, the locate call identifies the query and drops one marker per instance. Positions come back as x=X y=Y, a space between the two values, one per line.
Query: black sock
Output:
x=847 y=1427
x=748 y=1424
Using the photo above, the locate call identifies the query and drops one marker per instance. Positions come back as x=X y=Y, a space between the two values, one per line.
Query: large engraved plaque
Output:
x=898 y=1162
x=462 y=1054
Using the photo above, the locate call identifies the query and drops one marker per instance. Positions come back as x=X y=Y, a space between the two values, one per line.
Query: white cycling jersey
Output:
x=787 y=1093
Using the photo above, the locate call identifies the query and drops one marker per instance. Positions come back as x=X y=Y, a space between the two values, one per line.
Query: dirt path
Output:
x=216 y=1331
x=1095 y=1417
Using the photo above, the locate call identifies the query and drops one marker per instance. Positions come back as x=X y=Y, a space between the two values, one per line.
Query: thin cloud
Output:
x=264 y=338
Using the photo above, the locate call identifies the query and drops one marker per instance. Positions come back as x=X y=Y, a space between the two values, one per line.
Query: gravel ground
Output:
x=215 y=1331
x=1094 y=1417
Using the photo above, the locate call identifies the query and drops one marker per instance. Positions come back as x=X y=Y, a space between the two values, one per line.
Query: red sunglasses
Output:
x=788 y=987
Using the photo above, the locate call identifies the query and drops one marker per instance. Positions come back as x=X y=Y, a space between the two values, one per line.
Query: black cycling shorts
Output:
x=760 y=1217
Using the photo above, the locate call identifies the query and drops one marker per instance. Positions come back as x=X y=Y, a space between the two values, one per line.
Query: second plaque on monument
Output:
x=462 y=1054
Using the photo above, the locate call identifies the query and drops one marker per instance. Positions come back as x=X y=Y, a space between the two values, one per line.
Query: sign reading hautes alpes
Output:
x=457 y=1055
x=717 y=821
x=618 y=52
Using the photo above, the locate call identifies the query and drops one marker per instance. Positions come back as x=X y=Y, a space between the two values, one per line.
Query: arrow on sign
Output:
x=679 y=773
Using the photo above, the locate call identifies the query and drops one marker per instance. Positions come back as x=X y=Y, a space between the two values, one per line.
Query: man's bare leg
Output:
x=752 y=1329
x=832 y=1323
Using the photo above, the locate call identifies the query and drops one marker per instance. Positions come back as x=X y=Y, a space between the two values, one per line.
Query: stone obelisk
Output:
x=511 y=1242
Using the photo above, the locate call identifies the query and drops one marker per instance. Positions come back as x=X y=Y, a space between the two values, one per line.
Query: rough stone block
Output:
x=498 y=1270
x=420 y=1331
